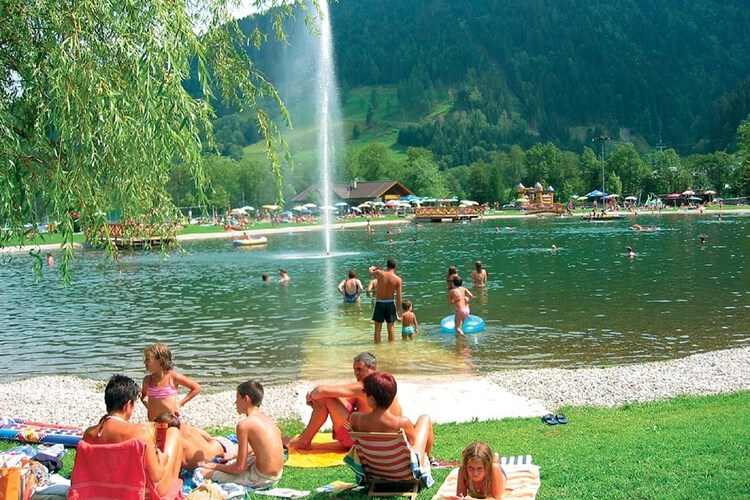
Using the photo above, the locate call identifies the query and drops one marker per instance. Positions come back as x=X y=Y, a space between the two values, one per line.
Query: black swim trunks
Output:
x=385 y=310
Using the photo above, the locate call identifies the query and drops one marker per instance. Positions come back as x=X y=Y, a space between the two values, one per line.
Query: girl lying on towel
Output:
x=480 y=475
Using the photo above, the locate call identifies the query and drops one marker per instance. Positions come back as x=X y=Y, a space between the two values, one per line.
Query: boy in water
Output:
x=409 y=325
x=259 y=460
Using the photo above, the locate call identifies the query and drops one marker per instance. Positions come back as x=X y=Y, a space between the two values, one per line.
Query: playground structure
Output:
x=537 y=200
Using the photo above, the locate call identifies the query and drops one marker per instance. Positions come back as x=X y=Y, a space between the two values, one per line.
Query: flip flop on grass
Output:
x=561 y=419
x=550 y=419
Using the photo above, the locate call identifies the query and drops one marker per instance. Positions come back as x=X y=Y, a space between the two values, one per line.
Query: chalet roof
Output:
x=364 y=190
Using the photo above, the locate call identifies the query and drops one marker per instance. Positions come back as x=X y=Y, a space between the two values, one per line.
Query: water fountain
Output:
x=328 y=114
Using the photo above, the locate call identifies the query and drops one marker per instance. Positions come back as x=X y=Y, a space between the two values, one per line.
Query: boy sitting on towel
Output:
x=259 y=460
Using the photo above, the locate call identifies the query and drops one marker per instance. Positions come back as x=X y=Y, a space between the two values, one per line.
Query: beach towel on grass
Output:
x=325 y=452
x=522 y=482
x=114 y=471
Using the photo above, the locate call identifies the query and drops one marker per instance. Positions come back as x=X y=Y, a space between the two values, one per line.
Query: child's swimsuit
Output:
x=161 y=392
x=407 y=330
x=463 y=312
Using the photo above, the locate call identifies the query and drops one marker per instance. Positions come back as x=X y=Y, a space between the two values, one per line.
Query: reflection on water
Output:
x=583 y=304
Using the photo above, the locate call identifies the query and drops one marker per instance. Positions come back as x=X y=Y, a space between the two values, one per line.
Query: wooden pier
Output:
x=451 y=214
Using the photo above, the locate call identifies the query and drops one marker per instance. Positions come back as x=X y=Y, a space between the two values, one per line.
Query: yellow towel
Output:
x=523 y=482
x=325 y=452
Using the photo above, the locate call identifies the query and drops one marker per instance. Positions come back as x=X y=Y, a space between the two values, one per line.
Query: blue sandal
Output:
x=550 y=419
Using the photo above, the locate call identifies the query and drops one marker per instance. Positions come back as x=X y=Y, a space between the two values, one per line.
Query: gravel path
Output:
x=75 y=401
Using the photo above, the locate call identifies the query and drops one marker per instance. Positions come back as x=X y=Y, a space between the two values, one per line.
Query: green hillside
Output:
x=470 y=98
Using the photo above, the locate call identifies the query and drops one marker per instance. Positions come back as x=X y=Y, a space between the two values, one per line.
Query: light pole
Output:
x=602 y=139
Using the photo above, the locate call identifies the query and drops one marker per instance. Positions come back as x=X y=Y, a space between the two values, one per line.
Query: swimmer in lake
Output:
x=351 y=288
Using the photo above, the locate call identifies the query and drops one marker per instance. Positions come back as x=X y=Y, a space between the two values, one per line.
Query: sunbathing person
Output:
x=162 y=467
x=339 y=402
x=197 y=444
x=380 y=390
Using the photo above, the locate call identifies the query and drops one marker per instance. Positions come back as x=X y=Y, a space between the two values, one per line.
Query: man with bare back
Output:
x=339 y=402
x=385 y=307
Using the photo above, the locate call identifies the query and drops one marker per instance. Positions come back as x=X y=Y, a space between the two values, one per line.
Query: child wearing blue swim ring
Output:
x=409 y=324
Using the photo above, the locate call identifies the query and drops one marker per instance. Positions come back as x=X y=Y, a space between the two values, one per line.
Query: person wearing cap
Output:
x=479 y=275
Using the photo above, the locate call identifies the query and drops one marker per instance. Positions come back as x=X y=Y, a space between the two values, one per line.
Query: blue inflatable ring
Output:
x=472 y=324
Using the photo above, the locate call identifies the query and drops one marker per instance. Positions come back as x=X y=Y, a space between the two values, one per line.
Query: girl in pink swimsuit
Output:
x=159 y=390
x=459 y=297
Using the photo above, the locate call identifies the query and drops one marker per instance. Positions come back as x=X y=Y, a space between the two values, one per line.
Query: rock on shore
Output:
x=69 y=400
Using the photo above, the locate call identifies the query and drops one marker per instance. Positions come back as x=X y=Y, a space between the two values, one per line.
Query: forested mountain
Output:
x=548 y=66
x=478 y=95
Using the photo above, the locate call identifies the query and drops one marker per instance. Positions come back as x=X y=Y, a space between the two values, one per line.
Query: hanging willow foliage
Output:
x=93 y=113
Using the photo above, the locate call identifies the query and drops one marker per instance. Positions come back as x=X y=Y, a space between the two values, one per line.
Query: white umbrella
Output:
x=469 y=203
x=709 y=192
x=341 y=204
x=239 y=211
x=688 y=192
x=298 y=208
x=355 y=209
x=271 y=207
x=366 y=204
x=630 y=198
x=247 y=208
x=310 y=205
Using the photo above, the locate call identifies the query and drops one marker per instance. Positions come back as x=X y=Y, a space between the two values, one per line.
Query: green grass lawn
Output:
x=688 y=447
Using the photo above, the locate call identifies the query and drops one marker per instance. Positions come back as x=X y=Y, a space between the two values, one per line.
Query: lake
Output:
x=585 y=304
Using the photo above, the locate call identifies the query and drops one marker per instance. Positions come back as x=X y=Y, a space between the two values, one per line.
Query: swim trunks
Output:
x=251 y=477
x=385 y=310
x=343 y=437
x=226 y=443
x=342 y=433
x=407 y=330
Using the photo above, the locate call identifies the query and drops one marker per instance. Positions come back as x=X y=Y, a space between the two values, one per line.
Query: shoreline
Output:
x=338 y=227
x=71 y=400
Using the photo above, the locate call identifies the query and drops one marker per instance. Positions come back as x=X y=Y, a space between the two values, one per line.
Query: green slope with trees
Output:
x=480 y=96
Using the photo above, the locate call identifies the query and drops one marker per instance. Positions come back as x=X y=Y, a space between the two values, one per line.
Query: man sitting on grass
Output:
x=339 y=402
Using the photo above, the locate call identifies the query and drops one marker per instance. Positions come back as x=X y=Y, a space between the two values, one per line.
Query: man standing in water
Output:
x=385 y=308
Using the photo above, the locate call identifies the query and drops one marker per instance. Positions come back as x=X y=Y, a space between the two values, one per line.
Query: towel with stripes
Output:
x=522 y=481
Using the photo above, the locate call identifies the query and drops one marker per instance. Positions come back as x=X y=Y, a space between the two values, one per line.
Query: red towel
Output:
x=114 y=471
x=105 y=471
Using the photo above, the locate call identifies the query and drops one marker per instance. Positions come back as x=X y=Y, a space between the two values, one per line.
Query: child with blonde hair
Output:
x=159 y=389
x=409 y=324
x=480 y=475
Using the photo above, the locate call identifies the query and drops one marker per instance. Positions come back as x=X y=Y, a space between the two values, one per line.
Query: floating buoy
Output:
x=472 y=324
